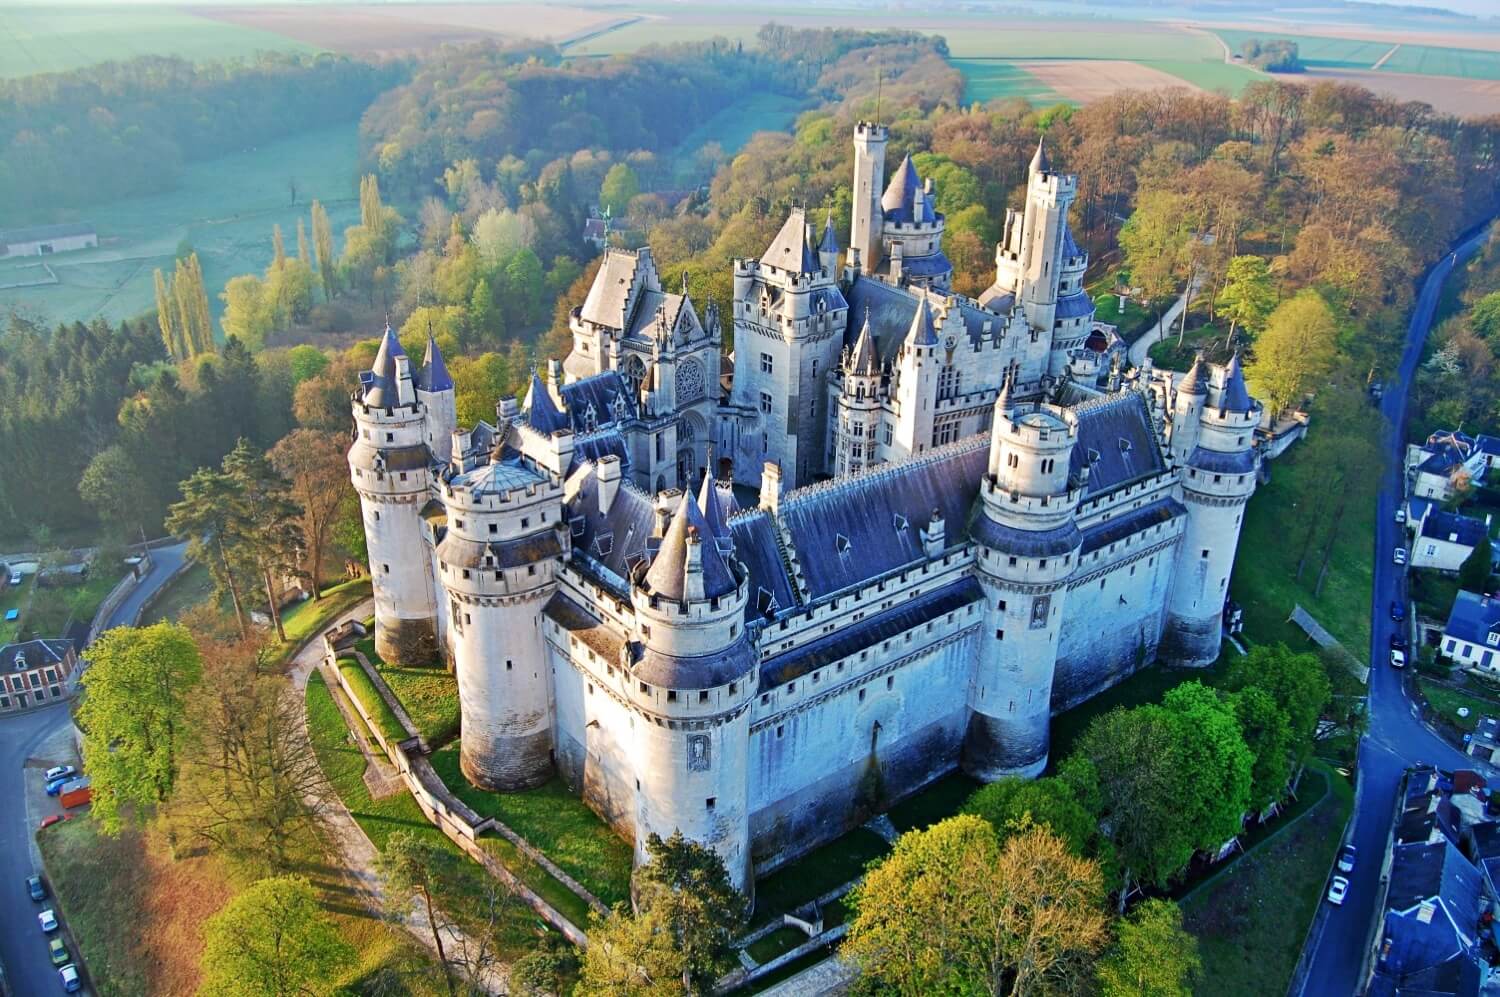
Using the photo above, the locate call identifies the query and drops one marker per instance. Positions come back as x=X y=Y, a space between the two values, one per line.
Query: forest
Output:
x=93 y=135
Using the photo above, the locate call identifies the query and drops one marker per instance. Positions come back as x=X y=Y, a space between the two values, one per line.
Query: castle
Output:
x=969 y=517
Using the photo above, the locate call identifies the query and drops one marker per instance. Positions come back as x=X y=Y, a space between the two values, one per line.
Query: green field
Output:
x=50 y=39
x=224 y=208
x=1058 y=39
x=992 y=79
x=1334 y=53
x=1433 y=60
x=1350 y=53
x=732 y=127
x=633 y=37
x=1209 y=75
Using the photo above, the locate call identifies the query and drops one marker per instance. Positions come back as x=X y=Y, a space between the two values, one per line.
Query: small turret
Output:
x=1039 y=161
x=828 y=249
x=439 y=401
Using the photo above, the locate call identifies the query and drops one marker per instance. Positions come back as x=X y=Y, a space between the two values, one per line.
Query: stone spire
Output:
x=921 y=332
x=864 y=360
x=830 y=243
x=683 y=555
x=713 y=512
x=434 y=373
x=1236 y=396
x=541 y=411
x=1195 y=381
x=1039 y=161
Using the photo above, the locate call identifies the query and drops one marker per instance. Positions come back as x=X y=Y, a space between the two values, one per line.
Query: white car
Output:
x=1400 y=555
x=1400 y=513
x=58 y=771
x=1398 y=658
x=1338 y=890
x=48 y=920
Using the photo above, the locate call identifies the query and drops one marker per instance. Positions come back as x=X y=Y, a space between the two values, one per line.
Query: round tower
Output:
x=501 y=549
x=390 y=465
x=693 y=678
x=1218 y=476
x=857 y=419
x=1028 y=546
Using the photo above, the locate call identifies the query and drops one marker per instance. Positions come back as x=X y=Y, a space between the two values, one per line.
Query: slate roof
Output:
x=605 y=443
x=615 y=542
x=1039 y=161
x=497 y=477
x=1473 y=618
x=379 y=381
x=434 y=373
x=845 y=641
x=1070 y=247
x=898 y=203
x=37 y=233
x=1432 y=908
x=1446 y=449
x=648 y=304
x=1119 y=528
x=541 y=411
x=850 y=530
x=921 y=332
x=931 y=265
x=1235 y=396
x=792 y=249
x=1217 y=462
x=667 y=576
x=714 y=514
x=610 y=296
x=862 y=359
x=758 y=549
x=1116 y=443
x=1439 y=524
x=1195 y=381
x=1074 y=305
x=890 y=311
x=830 y=243
x=604 y=393
x=35 y=653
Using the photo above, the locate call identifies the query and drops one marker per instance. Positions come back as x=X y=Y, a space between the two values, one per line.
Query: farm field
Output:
x=48 y=39
x=1347 y=53
x=224 y=208
x=1446 y=93
x=1350 y=53
x=1001 y=79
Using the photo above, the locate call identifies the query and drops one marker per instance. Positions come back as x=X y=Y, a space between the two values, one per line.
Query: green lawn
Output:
x=369 y=697
x=817 y=872
x=344 y=766
x=994 y=79
x=941 y=799
x=1446 y=702
x=53 y=38
x=557 y=823
x=309 y=616
x=188 y=590
x=1251 y=920
x=1266 y=562
x=429 y=695
x=53 y=610
x=1132 y=322
x=224 y=208
x=1208 y=338
x=14 y=597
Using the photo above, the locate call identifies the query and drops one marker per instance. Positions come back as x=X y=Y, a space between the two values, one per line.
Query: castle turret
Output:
x=916 y=373
x=502 y=543
x=828 y=249
x=858 y=416
x=694 y=675
x=1218 y=476
x=911 y=232
x=390 y=465
x=1028 y=545
x=1187 y=410
x=439 y=403
x=869 y=181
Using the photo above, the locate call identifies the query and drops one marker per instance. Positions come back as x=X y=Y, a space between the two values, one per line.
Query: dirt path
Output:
x=359 y=856
x=1382 y=60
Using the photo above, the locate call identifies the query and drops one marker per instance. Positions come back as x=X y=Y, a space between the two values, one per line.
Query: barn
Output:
x=44 y=240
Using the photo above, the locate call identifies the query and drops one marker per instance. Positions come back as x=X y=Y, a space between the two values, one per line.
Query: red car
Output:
x=54 y=819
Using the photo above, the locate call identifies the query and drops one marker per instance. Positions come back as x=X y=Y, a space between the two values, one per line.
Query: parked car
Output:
x=48 y=920
x=58 y=951
x=1346 y=858
x=54 y=786
x=36 y=888
x=1400 y=513
x=1338 y=890
x=69 y=976
x=1398 y=611
x=1398 y=659
x=60 y=771
x=1399 y=556
x=1398 y=640
x=54 y=819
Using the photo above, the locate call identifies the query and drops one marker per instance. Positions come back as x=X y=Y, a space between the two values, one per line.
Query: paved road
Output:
x=1397 y=737
x=22 y=950
x=1161 y=330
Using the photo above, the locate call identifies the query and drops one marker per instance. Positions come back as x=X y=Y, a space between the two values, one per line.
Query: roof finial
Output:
x=879 y=79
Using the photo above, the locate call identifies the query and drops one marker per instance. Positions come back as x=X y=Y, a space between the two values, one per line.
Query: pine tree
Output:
x=278 y=248
x=323 y=248
x=302 y=251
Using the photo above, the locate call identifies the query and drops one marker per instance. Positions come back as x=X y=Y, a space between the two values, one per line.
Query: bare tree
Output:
x=313 y=462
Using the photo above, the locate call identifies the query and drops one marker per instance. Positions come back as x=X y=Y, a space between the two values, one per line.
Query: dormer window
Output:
x=1492 y=639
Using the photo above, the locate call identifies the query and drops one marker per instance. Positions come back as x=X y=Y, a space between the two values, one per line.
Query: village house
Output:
x=34 y=673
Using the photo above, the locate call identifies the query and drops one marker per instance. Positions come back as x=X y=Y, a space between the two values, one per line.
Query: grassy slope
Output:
x=53 y=609
x=369 y=697
x=224 y=208
x=1266 y=562
x=54 y=38
x=344 y=766
x=557 y=823
x=308 y=617
x=430 y=695
x=1251 y=921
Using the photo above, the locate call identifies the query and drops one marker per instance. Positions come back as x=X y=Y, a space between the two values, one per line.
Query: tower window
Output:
x=710 y=802
x=861 y=695
x=780 y=729
x=509 y=664
x=766 y=364
x=531 y=569
x=671 y=695
x=1013 y=560
x=645 y=688
x=765 y=403
x=1001 y=607
x=385 y=569
x=389 y=437
x=703 y=696
x=890 y=682
x=999 y=634
x=1205 y=551
x=494 y=527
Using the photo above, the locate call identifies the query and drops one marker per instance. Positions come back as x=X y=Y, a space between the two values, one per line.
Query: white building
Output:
x=765 y=679
x=44 y=240
x=1471 y=636
x=1444 y=540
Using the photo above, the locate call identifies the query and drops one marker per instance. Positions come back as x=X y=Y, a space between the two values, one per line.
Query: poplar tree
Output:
x=278 y=248
x=166 y=318
x=322 y=233
x=302 y=251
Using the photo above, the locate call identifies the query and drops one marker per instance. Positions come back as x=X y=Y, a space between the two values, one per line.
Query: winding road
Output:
x=23 y=951
x=1397 y=738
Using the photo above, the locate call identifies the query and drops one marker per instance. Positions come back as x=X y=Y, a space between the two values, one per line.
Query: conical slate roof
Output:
x=667 y=576
x=921 y=332
x=899 y=200
x=434 y=373
x=1195 y=381
x=792 y=249
x=380 y=386
x=541 y=411
x=1039 y=161
x=863 y=361
x=830 y=243
x=713 y=510
x=1236 y=396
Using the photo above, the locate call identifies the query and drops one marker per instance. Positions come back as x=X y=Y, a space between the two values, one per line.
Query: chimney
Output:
x=935 y=536
x=555 y=381
x=770 y=487
x=405 y=393
x=662 y=517
x=609 y=481
x=895 y=261
x=692 y=582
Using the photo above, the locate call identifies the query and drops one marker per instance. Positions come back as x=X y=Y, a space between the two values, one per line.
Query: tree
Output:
x=323 y=251
x=166 y=318
x=1155 y=242
x=273 y=939
x=1152 y=955
x=619 y=186
x=114 y=486
x=314 y=465
x=278 y=248
x=1296 y=683
x=1474 y=573
x=522 y=293
x=208 y=516
x=265 y=531
x=304 y=255
x=414 y=869
x=132 y=712
x=1217 y=766
x=1249 y=294
x=951 y=911
x=1012 y=803
x=1296 y=348
x=546 y=970
x=1268 y=734
x=1484 y=315
x=249 y=310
